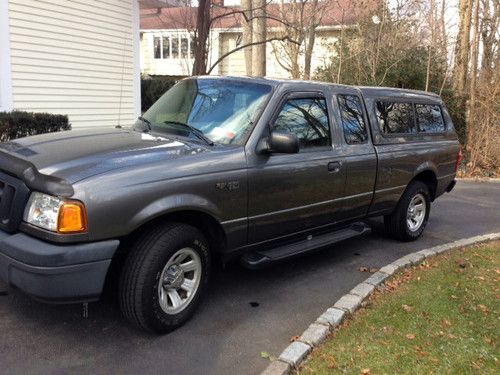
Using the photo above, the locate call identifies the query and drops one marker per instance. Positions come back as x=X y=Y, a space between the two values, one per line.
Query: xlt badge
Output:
x=228 y=185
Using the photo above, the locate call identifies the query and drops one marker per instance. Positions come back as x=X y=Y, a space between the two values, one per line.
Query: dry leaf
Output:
x=363 y=269
x=407 y=308
x=410 y=336
x=446 y=322
x=294 y=338
x=365 y=371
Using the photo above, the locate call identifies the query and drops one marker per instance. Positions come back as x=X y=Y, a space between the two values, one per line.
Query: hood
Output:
x=78 y=154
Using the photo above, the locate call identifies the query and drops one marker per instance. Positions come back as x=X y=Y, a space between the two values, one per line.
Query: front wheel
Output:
x=164 y=277
x=408 y=221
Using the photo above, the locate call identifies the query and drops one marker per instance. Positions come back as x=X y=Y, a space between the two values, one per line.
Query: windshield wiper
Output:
x=197 y=132
x=147 y=123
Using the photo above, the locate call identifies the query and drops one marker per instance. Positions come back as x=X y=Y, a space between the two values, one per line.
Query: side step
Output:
x=257 y=259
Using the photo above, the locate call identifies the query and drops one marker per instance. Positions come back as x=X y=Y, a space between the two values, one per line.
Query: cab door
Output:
x=360 y=158
x=291 y=194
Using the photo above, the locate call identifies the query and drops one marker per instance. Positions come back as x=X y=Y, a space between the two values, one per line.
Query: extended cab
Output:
x=255 y=169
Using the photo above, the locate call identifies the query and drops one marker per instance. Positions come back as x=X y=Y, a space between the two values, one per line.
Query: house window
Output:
x=184 y=47
x=157 y=47
x=192 y=47
x=175 y=47
x=166 y=47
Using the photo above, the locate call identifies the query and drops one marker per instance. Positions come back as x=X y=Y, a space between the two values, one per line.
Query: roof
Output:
x=334 y=13
x=367 y=91
x=372 y=91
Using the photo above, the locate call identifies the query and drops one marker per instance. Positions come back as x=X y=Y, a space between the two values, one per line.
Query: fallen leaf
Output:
x=365 y=371
x=446 y=322
x=363 y=269
x=373 y=270
x=265 y=355
x=294 y=338
x=407 y=308
x=483 y=308
x=410 y=336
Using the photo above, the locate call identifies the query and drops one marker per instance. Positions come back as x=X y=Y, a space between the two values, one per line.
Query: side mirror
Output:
x=280 y=143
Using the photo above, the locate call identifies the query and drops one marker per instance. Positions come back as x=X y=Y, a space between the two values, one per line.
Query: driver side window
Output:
x=306 y=118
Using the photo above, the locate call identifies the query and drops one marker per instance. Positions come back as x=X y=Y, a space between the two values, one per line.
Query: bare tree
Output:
x=300 y=21
x=247 y=37
x=462 y=46
x=259 y=37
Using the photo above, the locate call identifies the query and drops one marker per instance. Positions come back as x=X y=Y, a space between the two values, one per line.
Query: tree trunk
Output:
x=201 y=40
x=259 y=35
x=310 y=38
x=474 y=57
x=246 y=6
x=462 y=50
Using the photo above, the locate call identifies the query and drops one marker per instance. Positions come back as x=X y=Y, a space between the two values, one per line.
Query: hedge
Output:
x=152 y=88
x=17 y=124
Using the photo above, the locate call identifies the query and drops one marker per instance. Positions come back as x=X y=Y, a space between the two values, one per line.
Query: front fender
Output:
x=175 y=203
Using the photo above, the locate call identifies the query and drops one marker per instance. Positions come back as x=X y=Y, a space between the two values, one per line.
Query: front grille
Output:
x=13 y=197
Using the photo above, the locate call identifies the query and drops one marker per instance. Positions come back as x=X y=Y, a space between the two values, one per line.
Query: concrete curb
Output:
x=479 y=179
x=316 y=333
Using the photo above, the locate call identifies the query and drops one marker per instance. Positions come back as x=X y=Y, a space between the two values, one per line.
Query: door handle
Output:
x=334 y=166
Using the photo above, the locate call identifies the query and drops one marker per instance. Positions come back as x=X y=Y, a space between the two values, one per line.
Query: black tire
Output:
x=396 y=223
x=139 y=281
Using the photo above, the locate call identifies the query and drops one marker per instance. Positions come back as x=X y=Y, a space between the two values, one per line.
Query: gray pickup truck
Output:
x=229 y=168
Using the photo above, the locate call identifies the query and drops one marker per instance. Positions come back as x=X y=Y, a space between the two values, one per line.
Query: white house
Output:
x=79 y=58
x=167 y=38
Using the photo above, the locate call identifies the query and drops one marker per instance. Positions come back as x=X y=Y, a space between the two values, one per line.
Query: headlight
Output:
x=55 y=214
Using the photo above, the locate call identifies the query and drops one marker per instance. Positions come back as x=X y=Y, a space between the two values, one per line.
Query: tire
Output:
x=405 y=224
x=149 y=303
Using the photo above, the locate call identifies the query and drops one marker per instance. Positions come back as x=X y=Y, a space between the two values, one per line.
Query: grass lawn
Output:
x=442 y=317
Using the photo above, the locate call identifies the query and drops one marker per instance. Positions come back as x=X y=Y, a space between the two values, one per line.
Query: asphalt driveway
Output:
x=245 y=313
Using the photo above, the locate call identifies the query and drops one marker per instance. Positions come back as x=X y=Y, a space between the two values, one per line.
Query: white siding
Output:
x=75 y=58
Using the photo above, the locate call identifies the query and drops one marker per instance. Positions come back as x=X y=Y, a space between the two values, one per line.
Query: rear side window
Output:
x=352 y=119
x=395 y=118
x=429 y=118
x=306 y=118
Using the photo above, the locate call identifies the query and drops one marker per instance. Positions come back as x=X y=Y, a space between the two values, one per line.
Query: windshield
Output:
x=224 y=110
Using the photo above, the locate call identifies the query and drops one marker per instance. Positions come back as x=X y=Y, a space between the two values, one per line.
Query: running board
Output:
x=257 y=259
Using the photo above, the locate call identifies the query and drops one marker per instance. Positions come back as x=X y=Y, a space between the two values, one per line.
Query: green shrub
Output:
x=17 y=124
x=152 y=88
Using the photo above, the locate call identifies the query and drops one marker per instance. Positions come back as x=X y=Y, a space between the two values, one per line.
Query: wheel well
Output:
x=207 y=224
x=204 y=222
x=429 y=178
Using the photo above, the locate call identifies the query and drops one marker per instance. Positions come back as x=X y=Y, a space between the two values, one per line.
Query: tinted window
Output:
x=429 y=118
x=395 y=117
x=352 y=119
x=307 y=119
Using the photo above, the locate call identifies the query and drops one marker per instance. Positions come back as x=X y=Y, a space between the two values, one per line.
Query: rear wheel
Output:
x=408 y=221
x=164 y=277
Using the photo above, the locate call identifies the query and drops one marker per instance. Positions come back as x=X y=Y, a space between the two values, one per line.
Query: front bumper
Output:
x=55 y=273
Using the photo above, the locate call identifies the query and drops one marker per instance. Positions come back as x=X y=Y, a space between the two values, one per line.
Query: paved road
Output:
x=227 y=334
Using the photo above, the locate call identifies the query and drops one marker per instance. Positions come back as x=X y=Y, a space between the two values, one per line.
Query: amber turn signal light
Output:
x=72 y=218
